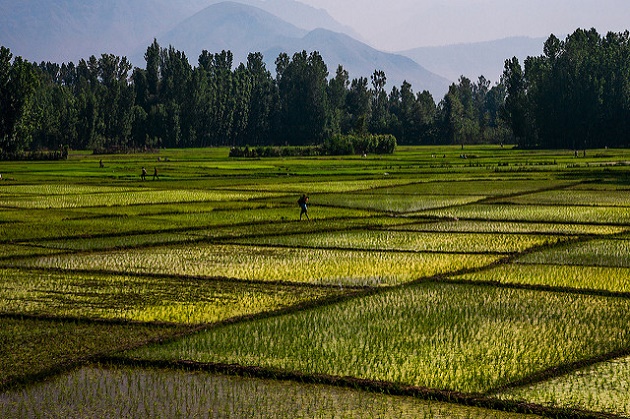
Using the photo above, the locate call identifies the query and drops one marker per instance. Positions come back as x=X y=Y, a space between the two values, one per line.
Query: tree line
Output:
x=575 y=95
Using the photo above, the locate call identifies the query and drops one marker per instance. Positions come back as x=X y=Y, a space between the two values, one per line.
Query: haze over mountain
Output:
x=69 y=30
x=243 y=29
x=475 y=59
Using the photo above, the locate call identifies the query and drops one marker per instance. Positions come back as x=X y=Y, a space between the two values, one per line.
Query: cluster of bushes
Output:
x=338 y=145
x=272 y=151
x=36 y=155
x=343 y=145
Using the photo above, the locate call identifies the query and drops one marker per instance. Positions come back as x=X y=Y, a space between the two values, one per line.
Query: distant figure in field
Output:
x=143 y=175
x=155 y=174
x=302 y=203
x=100 y=164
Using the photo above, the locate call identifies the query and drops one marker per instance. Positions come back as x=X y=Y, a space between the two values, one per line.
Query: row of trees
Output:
x=107 y=105
x=575 y=95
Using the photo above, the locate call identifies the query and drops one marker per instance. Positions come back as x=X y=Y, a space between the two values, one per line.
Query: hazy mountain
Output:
x=227 y=26
x=68 y=30
x=475 y=59
x=361 y=60
x=243 y=29
x=299 y=14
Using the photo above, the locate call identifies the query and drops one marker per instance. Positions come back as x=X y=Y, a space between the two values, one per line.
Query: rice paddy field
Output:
x=496 y=286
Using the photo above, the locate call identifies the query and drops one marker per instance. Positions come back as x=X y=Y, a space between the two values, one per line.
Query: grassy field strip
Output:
x=603 y=185
x=251 y=263
x=490 y=188
x=32 y=348
x=322 y=187
x=611 y=252
x=144 y=299
x=218 y=233
x=128 y=198
x=378 y=240
x=585 y=278
x=130 y=392
x=393 y=203
x=508 y=227
x=605 y=198
x=111 y=226
x=615 y=216
x=8 y=251
x=441 y=336
x=41 y=190
x=119 y=242
x=601 y=387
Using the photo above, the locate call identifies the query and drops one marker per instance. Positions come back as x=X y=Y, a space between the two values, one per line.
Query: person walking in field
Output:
x=143 y=175
x=302 y=203
x=155 y=174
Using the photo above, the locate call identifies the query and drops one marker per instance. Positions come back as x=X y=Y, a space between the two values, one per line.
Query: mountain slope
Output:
x=475 y=59
x=361 y=60
x=228 y=26
x=68 y=30
x=298 y=14
x=243 y=29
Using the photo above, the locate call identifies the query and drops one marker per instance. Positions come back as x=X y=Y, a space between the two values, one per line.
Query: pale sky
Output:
x=396 y=25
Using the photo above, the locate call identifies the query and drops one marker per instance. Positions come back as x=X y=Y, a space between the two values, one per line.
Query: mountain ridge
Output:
x=207 y=30
x=477 y=58
x=70 y=30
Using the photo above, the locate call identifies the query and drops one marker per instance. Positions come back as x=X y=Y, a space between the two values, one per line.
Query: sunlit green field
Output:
x=420 y=286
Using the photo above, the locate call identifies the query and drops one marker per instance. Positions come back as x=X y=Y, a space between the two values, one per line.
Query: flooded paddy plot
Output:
x=453 y=337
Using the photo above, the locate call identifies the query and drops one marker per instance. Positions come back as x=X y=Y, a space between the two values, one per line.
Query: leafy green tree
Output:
x=263 y=103
x=379 y=115
x=337 y=93
x=18 y=82
x=54 y=111
x=302 y=84
x=451 y=117
x=358 y=108
x=515 y=111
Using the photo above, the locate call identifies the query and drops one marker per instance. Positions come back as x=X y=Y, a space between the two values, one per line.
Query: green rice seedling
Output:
x=129 y=392
x=123 y=225
x=141 y=299
x=116 y=242
x=128 y=198
x=454 y=337
x=576 y=277
x=290 y=227
x=313 y=266
x=614 y=253
x=602 y=387
x=324 y=186
x=614 y=185
x=507 y=227
x=10 y=251
x=394 y=203
x=606 y=198
x=30 y=347
x=48 y=189
x=534 y=213
x=412 y=241
x=473 y=187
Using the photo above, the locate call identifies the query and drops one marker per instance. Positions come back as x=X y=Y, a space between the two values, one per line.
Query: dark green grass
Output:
x=31 y=348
